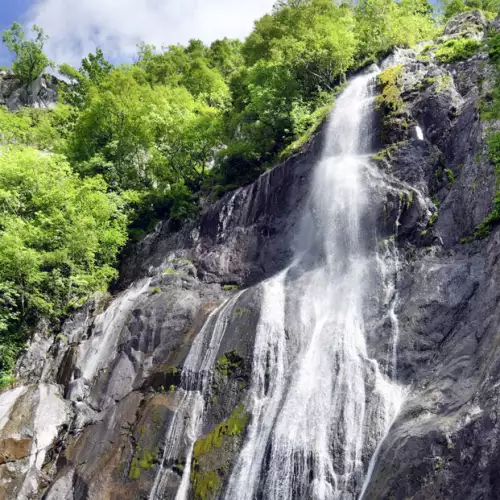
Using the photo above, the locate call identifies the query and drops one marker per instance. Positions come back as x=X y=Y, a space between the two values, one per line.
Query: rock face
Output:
x=471 y=24
x=101 y=410
x=42 y=93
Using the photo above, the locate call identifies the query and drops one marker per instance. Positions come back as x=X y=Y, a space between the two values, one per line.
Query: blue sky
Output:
x=76 y=27
x=10 y=11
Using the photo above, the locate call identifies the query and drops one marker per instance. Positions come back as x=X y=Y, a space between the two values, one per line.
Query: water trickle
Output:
x=196 y=378
x=420 y=134
x=314 y=426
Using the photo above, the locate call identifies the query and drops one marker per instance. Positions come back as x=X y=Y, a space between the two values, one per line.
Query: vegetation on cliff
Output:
x=132 y=144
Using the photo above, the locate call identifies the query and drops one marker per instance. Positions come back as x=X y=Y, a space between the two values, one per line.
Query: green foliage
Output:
x=59 y=236
x=390 y=100
x=492 y=112
x=143 y=460
x=131 y=145
x=453 y=7
x=230 y=361
x=382 y=24
x=30 y=61
x=493 y=219
x=433 y=219
x=457 y=49
x=451 y=177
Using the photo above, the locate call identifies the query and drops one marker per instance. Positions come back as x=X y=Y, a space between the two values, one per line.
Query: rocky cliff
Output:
x=99 y=409
x=42 y=93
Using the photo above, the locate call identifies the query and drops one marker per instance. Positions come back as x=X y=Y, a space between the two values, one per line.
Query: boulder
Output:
x=470 y=24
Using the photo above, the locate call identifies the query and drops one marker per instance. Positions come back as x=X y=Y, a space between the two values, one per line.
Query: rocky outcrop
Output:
x=42 y=93
x=471 y=24
x=96 y=404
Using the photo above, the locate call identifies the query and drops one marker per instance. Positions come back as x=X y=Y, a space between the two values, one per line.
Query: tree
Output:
x=383 y=24
x=59 y=237
x=30 y=61
x=95 y=67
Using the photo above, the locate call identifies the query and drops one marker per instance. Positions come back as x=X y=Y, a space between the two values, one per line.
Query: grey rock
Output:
x=41 y=93
x=470 y=24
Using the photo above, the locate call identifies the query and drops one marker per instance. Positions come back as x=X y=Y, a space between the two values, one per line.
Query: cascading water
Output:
x=196 y=377
x=319 y=404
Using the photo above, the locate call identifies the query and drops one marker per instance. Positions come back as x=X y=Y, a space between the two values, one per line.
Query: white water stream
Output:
x=319 y=403
x=196 y=377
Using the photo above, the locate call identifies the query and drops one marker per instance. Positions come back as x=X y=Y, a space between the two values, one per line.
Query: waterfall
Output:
x=316 y=424
x=196 y=377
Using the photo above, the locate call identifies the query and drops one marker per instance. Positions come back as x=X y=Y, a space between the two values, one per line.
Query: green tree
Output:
x=59 y=237
x=383 y=24
x=30 y=61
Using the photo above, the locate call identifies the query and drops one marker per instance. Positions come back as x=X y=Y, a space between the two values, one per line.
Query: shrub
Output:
x=457 y=49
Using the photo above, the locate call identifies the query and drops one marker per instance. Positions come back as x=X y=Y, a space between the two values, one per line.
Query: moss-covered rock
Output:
x=213 y=455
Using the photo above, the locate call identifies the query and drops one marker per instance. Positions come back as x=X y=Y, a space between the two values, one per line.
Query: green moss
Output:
x=451 y=177
x=185 y=262
x=434 y=218
x=240 y=312
x=206 y=485
x=230 y=288
x=409 y=198
x=179 y=467
x=390 y=83
x=207 y=482
x=457 y=49
x=62 y=338
x=233 y=426
x=388 y=152
x=169 y=272
x=156 y=290
x=228 y=363
x=143 y=460
x=173 y=371
x=428 y=48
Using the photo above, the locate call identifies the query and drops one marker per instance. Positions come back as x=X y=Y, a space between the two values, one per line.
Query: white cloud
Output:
x=77 y=27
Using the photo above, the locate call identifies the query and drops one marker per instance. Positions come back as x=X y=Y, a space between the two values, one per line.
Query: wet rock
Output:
x=14 y=449
x=30 y=421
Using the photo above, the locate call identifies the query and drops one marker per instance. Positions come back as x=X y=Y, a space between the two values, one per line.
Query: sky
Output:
x=77 y=27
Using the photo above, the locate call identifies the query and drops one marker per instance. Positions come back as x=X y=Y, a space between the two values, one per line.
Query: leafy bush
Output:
x=390 y=100
x=457 y=49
